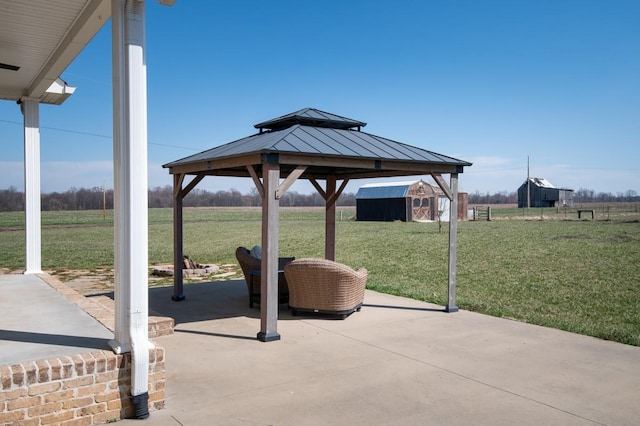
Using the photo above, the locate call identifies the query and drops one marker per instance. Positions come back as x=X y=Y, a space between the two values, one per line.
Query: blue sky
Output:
x=490 y=82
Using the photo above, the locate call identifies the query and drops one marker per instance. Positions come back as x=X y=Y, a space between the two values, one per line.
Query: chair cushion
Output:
x=256 y=252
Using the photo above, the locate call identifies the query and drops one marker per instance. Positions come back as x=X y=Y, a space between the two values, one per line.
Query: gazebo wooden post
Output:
x=330 y=219
x=178 y=238
x=453 y=241
x=269 y=268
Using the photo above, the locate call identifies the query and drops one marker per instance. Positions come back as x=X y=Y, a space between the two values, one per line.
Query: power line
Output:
x=96 y=135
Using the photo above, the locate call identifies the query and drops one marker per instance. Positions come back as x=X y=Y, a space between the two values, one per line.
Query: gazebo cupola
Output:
x=310 y=117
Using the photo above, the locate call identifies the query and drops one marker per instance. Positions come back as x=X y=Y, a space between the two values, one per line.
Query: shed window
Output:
x=425 y=202
x=416 y=202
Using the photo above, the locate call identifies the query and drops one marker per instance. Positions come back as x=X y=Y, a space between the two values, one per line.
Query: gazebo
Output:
x=324 y=149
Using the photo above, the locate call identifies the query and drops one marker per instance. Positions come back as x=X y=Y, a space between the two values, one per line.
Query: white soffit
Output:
x=42 y=37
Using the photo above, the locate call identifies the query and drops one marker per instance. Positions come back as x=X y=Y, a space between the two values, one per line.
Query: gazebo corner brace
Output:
x=286 y=184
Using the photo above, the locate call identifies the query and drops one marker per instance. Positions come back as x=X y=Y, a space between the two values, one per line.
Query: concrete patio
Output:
x=398 y=361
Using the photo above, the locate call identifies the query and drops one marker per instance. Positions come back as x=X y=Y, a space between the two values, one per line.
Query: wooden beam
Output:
x=196 y=180
x=293 y=176
x=178 y=283
x=443 y=185
x=336 y=195
x=256 y=179
x=330 y=220
x=269 y=267
x=177 y=183
x=453 y=241
x=318 y=188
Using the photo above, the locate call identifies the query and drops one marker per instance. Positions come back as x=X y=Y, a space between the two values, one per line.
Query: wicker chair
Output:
x=251 y=268
x=324 y=286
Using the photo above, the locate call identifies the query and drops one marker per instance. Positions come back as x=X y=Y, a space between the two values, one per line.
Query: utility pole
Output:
x=528 y=186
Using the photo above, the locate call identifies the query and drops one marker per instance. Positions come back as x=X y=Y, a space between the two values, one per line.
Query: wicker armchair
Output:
x=324 y=286
x=251 y=268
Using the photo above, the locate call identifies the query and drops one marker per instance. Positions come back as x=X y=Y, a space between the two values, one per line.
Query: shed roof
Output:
x=543 y=183
x=381 y=190
x=327 y=148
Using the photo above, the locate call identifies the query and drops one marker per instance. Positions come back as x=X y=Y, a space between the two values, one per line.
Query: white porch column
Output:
x=33 y=242
x=131 y=193
x=453 y=243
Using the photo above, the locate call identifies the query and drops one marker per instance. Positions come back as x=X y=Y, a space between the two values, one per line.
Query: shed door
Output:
x=421 y=208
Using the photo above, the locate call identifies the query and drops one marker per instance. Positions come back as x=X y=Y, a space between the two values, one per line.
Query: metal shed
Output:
x=543 y=194
x=323 y=148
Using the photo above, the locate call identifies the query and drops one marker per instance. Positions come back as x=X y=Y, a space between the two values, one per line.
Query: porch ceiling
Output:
x=39 y=39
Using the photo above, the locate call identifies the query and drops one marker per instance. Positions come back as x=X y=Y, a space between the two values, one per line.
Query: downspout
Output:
x=131 y=186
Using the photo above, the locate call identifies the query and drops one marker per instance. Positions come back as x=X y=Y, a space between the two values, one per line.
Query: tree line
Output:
x=582 y=195
x=97 y=198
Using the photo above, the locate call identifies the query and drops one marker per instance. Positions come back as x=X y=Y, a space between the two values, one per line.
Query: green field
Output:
x=542 y=267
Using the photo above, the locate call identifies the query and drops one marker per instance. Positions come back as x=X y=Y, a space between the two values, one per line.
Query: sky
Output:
x=552 y=85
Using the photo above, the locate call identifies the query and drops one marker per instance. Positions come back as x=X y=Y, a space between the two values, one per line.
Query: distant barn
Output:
x=404 y=201
x=543 y=194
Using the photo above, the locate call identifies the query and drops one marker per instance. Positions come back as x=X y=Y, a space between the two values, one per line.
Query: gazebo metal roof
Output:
x=326 y=143
x=317 y=146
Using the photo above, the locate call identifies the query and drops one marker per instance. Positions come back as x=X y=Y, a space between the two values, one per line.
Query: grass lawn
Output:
x=580 y=276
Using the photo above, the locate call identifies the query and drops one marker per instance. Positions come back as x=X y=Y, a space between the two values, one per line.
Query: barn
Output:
x=543 y=194
x=404 y=201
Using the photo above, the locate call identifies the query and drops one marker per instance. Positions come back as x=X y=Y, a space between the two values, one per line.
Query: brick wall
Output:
x=82 y=389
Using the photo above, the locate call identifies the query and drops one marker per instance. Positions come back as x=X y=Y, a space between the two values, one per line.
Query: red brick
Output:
x=30 y=372
x=27 y=402
x=58 y=396
x=14 y=394
x=44 y=409
x=18 y=374
x=84 y=421
x=30 y=422
x=56 y=418
x=6 y=376
x=91 y=409
x=56 y=369
x=43 y=371
x=77 y=382
x=158 y=395
x=89 y=363
x=119 y=403
x=107 y=376
x=44 y=388
x=78 y=364
x=91 y=390
x=107 y=396
x=78 y=402
x=159 y=384
x=68 y=367
x=101 y=362
x=13 y=416
x=112 y=361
